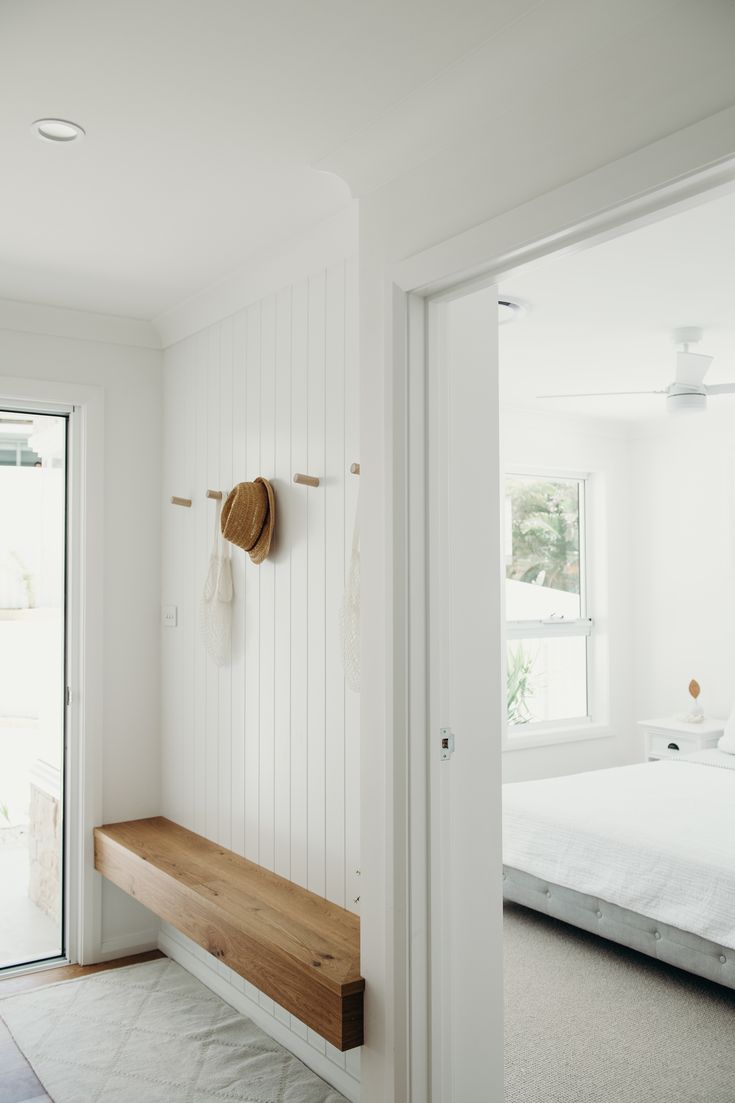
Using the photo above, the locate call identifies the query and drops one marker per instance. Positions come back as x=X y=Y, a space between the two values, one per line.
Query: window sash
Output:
x=581 y=482
x=558 y=626
x=549 y=627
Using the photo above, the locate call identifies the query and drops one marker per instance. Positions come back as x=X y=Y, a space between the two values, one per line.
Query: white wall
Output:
x=684 y=557
x=262 y=755
x=130 y=377
x=601 y=450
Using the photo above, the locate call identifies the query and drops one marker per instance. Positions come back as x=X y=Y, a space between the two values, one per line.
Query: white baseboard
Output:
x=137 y=942
x=317 y=1062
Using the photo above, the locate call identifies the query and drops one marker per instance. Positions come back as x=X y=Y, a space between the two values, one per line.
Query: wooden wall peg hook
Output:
x=216 y=494
x=305 y=480
x=180 y=501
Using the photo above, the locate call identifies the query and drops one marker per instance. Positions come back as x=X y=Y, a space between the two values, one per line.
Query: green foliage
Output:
x=4 y=811
x=519 y=684
x=545 y=529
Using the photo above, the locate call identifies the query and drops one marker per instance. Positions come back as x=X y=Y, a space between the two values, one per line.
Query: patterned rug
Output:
x=152 y=1033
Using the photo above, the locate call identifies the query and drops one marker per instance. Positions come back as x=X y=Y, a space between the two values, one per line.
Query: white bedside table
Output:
x=670 y=738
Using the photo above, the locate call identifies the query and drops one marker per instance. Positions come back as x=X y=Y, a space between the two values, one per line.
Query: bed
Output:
x=643 y=855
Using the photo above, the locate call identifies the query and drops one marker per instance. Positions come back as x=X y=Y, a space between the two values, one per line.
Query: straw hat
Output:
x=249 y=518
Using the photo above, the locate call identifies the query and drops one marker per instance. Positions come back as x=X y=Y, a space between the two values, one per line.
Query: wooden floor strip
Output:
x=26 y=982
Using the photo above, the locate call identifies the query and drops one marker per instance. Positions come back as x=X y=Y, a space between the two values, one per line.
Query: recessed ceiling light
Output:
x=57 y=130
x=509 y=311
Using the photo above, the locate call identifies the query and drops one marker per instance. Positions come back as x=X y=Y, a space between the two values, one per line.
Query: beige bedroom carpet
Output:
x=591 y=1022
x=152 y=1033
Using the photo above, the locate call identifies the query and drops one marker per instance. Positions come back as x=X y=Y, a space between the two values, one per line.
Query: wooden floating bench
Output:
x=299 y=949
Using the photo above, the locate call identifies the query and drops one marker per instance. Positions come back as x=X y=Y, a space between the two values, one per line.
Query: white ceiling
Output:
x=202 y=120
x=602 y=319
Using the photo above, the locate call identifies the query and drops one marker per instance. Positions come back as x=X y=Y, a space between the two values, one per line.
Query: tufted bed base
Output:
x=670 y=944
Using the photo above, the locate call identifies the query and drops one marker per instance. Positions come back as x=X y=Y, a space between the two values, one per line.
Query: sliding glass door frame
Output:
x=61 y=958
x=83 y=408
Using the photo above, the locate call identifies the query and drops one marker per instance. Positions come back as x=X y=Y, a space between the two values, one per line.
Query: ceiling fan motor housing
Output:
x=682 y=399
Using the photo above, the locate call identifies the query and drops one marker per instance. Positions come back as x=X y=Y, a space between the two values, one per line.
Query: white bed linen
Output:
x=658 y=838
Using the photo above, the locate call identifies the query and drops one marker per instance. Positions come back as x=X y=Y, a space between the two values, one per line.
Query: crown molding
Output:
x=326 y=242
x=79 y=325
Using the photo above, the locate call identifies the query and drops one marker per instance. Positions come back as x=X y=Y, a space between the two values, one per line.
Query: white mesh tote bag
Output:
x=215 y=606
x=350 y=617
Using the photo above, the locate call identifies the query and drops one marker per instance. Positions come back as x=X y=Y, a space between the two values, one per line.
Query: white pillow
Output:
x=726 y=741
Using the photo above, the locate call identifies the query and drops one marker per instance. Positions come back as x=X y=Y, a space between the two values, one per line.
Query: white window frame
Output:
x=539 y=732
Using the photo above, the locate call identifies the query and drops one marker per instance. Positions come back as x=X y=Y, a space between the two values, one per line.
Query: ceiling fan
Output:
x=688 y=392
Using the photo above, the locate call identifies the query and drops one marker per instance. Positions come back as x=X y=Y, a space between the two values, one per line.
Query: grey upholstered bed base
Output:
x=648 y=936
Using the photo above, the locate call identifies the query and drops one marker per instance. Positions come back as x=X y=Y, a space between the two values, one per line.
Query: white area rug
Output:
x=152 y=1033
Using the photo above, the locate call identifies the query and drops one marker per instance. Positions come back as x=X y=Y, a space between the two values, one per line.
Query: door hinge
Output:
x=67 y=696
x=447 y=743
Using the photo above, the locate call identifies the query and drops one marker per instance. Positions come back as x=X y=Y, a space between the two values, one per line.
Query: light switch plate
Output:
x=169 y=616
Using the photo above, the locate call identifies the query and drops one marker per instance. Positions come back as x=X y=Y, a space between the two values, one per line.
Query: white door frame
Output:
x=84 y=645
x=668 y=175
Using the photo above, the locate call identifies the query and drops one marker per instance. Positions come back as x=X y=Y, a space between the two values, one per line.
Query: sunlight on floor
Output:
x=26 y=932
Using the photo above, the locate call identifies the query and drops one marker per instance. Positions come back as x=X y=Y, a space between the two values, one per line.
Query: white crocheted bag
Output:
x=215 y=606
x=350 y=613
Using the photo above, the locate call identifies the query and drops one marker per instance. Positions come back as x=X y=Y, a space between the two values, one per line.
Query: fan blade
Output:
x=691 y=368
x=598 y=394
x=720 y=388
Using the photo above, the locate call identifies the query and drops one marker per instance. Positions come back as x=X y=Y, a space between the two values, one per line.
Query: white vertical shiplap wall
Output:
x=262 y=756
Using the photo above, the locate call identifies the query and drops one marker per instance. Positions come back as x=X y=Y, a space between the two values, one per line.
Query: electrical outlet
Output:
x=169 y=616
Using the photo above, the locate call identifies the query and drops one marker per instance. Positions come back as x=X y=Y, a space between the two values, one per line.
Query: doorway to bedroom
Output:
x=606 y=608
x=33 y=510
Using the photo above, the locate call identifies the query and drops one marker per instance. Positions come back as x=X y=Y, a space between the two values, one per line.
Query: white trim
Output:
x=538 y=471
x=122 y=945
x=328 y=242
x=34 y=967
x=670 y=174
x=438 y=1026
x=86 y=674
x=54 y=321
x=170 y=943
x=85 y=655
x=417 y=965
x=551 y=736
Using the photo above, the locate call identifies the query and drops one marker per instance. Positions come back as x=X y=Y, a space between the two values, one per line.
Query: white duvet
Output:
x=658 y=838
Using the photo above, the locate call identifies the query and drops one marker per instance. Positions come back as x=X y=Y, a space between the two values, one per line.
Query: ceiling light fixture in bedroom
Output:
x=57 y=130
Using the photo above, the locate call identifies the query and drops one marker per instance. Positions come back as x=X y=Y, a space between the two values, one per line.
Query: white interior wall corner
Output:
x=262 y=756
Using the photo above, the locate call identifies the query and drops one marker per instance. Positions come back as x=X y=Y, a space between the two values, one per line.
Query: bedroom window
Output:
x=548 y=628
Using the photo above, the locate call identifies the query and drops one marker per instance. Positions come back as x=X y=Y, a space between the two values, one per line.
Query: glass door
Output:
x=33 y=507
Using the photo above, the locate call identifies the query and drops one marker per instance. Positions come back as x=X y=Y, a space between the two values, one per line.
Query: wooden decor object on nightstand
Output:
x=296 y=947
x=672 y=738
